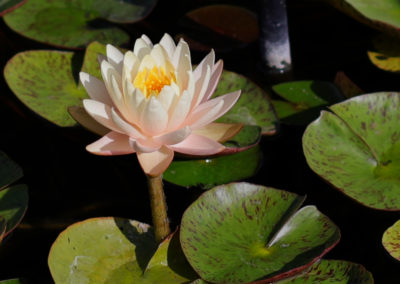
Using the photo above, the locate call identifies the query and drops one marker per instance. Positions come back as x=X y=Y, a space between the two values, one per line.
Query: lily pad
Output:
x=13 y=205
x=3 y=227
x=252 y=108
x=240 y=232
x=206 y=173
x=332 y=271
x=383 y=15
x=11 y=281
x=391 y=240
x=115 y=250
x=303 y=100
x=6 y=6
x=357 y=149
x=10 y=171
x=75 y=24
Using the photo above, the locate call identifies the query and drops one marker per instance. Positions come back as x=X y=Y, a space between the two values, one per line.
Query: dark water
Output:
x=67 y=184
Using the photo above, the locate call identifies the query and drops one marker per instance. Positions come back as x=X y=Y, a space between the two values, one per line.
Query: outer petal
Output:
x=112 y=143
x=211 y=110
x=174 y=137
x=95 y=88
x=182 y=63
x=220 y=132
x=212 y=84
x=147 y=40
x=130 y=66
x=201 y=86
x=155 y=163
x=114 y=57
x=198 y=145
x=154 y=118
x=169 y=45
x=127 y=128
x=101 y=113
x=144 y=145
x=180 y=111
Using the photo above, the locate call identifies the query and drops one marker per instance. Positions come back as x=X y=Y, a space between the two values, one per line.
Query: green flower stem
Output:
x=158 y=208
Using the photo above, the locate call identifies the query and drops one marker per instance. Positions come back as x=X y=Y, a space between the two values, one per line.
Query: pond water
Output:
x=67 y=184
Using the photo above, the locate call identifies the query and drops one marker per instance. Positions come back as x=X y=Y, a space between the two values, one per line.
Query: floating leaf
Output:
x=385 y=62
x=357 y=149
x=44 y=81
x=240 y=232
x=6 y=6
x=209 y=172
x=13 y=205
x=332 y=271
x=75 y=24
x=252 y=108
x=304 y=100
x=383 y=15
x=346 y=85
x=391 y=240
x=115 y=250
x=247 y=137
x=386 y=53
x=9 y=171
x=12 y=281
x=3 y=227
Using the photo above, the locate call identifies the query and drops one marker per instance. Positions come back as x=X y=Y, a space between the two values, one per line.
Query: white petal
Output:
x=134 y=102
x=202 y=67
x=154 y=118
x=147 y=62
x=144 y=146
x=127 y=128
x=212 y=85
x=101 y=113
x=147 y=40
x=159 y=56
x=182 y=62
x=180 y=111
x=201 y=87
x=115 y=57
x=167 y=97
x=141 y=48
x=169 y=45
x=131 y=65
x=112 y=143
x=155 y=163
x=174 y=137
x=95 y=88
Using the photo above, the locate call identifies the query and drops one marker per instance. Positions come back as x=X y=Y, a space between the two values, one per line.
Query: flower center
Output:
x=151 y=82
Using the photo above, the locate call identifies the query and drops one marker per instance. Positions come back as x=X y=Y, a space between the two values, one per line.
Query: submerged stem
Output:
x=158 y=208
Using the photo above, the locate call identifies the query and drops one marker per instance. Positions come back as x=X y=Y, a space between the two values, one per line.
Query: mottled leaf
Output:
x=357 y=149
x=9 y=171
x=303 y=100
x=332 y=271
x=206 y=173
x=115 y=250
x=240 y=232
x=74 y=24
x=6 y=6
x=391 y=240
x=252 y=108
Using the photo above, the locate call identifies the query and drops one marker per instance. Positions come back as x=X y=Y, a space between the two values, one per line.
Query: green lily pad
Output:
x=357 y=149
x=252 y=108
x=206 y=173
x=115 y=250
x=304 y=100
x=248 y=137
x=238 y=233
x=6 y=6
x=383 y=15
x=75 y=24
x=9 y=171
x=391 y=240
x=44 y=81
x=13 y=205
x=11 y=281
x=332 y=271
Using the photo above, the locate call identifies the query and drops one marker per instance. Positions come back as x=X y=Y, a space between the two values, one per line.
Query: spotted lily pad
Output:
x=383 y=15
x=74 y=24
x=332 y=271
x=357 y=148
x=206 y=173
x=252 y=108
x=6 y=6
x=240 y=232
x=391 y=240
x=115 y=250
x=303 y=100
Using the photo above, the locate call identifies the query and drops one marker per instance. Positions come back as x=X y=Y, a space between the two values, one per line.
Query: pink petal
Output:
x=212 y=84
x=112 y=143
x=126 y=127
x=144 y=146
x=204 y=113
x=182 y=63
x=201 y=87
x=198 y=145
x=101 y=113
x=202 y=67
x=220 y=132
x=174 y=137
x=180 y=111
x=155 y=163
x=95 y=88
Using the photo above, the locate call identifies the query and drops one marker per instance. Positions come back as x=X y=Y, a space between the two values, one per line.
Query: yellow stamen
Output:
x=151 y=82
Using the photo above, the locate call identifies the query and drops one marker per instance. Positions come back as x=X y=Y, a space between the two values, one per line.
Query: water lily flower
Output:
x=154 y=103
